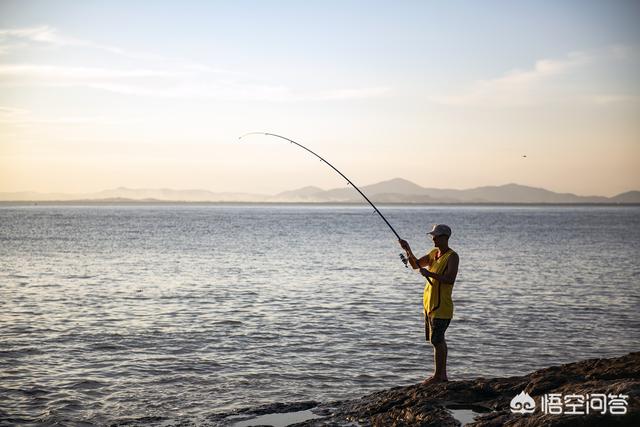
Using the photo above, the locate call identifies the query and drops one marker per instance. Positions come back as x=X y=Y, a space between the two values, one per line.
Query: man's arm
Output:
x=418 y=262
x=449 y=275
x=413 y=261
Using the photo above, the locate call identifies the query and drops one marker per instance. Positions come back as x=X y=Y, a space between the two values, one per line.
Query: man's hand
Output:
x=425 y=272
x=415 y=262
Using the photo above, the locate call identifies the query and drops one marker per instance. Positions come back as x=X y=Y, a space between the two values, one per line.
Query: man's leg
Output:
x=440 y=361
x=428 y=330
x=437 y=330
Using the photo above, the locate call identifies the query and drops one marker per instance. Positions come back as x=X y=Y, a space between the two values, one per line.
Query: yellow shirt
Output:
x=437 y=300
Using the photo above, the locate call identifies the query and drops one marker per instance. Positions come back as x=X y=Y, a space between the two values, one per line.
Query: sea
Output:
x=126 y=313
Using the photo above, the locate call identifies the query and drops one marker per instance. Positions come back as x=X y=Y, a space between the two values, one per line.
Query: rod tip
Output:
x=251 y=133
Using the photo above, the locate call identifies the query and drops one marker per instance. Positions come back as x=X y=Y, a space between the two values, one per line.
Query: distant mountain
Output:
x=514 y=193
x=123 y=194
x=402 y=191
x=396 y=190
x=304 y=194
x=391 y=189
x=628 y=197
x=175 y=195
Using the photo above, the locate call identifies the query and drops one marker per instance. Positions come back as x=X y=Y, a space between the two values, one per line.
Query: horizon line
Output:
x=121 y=187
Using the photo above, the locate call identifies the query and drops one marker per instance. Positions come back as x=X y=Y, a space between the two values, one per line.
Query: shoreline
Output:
x=306 y=204
x=481 y=402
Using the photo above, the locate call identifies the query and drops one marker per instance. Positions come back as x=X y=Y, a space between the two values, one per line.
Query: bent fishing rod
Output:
x=402 y=257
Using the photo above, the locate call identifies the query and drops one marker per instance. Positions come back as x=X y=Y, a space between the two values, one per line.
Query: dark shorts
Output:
x=434 y=329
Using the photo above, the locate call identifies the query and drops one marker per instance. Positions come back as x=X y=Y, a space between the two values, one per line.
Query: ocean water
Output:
x=122 y=313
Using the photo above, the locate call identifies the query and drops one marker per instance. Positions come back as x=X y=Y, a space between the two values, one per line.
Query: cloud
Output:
x=537 y=85
x=605 y=99
x=362 y=93
x=50 y=36
x=157 y=76
x=26 y=73
x=40 y=34
x=23 y=117
x=12 y=115
x=166 y=84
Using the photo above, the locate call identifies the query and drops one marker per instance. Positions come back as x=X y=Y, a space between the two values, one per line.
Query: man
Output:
x=440 y=267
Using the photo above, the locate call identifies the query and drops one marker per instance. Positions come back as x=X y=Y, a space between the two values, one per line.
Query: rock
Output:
x=431 y=405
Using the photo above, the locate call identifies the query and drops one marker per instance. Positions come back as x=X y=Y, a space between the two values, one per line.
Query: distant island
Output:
x=396 y=191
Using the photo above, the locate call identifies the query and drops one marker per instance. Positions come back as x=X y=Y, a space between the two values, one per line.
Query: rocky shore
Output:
x=483 y=402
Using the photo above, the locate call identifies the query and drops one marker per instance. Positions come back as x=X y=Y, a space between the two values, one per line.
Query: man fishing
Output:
x=440 y=268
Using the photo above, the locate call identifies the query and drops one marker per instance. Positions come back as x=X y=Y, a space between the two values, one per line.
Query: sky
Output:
x=154 y=94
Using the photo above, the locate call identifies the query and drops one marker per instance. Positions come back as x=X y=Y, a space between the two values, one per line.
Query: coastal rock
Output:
x=436 y=404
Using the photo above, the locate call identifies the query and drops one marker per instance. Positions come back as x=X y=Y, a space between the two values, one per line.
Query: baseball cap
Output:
x=440 y=229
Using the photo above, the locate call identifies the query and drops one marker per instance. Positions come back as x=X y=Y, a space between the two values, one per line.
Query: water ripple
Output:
x=140 y=314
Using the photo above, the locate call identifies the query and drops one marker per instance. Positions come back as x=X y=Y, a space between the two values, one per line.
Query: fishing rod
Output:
x=402 y=257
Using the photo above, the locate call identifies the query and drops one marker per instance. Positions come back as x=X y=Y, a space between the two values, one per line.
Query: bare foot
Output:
x=428 y=380
x=434 y=380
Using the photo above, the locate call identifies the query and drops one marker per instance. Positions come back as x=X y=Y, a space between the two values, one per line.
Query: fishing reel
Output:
x=404 y=260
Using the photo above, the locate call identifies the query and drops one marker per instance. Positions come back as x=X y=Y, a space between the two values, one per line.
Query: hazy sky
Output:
x=450 y=94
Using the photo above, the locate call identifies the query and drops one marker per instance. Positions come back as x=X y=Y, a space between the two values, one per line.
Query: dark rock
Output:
x=431 y=405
